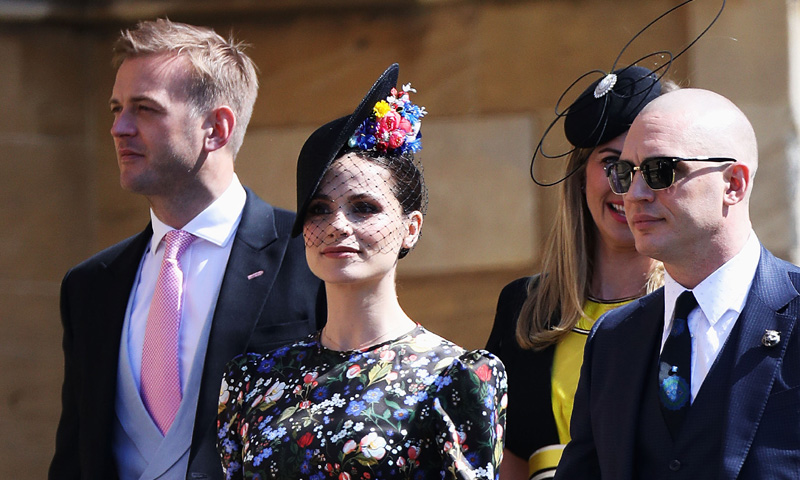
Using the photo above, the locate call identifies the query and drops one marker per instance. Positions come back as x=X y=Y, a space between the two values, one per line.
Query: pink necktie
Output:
x=161 y=381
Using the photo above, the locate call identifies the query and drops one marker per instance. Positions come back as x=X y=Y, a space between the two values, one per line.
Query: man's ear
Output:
x=219 y=128
x=738 y=183
x=414 y=227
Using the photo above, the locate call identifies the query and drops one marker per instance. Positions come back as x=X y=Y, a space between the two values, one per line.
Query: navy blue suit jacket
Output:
x=761 y=430
x=259 y=314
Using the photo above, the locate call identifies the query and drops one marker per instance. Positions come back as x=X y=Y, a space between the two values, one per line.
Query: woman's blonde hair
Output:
x=562 y=285
x=555 y=300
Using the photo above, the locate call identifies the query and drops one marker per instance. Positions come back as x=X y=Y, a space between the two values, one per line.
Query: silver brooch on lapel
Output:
x=771 y=338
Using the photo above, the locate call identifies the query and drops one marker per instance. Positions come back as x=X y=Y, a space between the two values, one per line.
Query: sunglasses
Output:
x=658 y=172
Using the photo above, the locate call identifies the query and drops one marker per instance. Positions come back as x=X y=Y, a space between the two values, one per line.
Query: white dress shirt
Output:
x=720 y=298
x=203 y=265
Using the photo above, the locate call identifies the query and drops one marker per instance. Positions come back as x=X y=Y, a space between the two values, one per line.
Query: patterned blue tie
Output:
x=675 y=366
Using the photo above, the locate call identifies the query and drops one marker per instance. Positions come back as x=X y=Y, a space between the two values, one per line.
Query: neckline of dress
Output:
x=321 y=347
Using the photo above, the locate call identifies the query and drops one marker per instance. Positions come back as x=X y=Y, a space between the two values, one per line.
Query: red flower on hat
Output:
x=389 y=122
x=396 y=138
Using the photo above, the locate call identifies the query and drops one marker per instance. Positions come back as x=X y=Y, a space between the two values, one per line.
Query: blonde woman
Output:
x=589 y=266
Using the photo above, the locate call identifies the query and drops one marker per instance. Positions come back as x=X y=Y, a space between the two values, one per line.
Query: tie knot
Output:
x=684 y=305
x=176 y=242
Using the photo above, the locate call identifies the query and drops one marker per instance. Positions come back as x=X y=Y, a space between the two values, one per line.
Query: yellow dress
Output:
x=567 y=361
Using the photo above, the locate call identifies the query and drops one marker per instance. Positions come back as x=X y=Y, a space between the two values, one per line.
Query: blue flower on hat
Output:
x=413 y=112
x=413 y=146
x=364 y=136
x=393 y=127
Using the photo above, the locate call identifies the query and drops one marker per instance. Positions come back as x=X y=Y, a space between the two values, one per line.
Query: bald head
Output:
x=709 y=124
x=701 y=220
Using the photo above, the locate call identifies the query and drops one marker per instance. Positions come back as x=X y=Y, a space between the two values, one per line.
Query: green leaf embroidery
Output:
x=287 y=413
x=378 y=372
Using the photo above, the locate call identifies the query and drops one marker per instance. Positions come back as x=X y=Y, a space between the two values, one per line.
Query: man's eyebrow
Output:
x=138 y=98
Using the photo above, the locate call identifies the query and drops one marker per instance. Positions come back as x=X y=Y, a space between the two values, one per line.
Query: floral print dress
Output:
x=417 y=407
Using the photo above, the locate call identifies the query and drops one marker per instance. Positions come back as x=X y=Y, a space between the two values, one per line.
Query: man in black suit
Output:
x=699 y=379
x=181 y=102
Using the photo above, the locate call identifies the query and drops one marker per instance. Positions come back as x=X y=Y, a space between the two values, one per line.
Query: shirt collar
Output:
x=725 y=289
x=216 y=224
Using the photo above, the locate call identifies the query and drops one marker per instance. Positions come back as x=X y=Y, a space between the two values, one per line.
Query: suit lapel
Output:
x=101 y=363
x=249 y=275
x=251 y=271
x=756 y=365
x=634 y=348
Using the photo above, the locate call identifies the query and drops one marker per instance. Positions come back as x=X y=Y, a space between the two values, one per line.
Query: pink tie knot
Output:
x=177 y=241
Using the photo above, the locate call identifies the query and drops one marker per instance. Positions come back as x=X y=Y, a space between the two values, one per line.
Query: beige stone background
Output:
x=488 y=72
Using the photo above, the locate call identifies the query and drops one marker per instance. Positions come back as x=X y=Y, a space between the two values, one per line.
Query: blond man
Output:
x=150 y=322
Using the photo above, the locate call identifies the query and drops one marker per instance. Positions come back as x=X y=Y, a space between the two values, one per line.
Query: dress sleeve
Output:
x=509 y=304
x=469 y=402
x=230 y=429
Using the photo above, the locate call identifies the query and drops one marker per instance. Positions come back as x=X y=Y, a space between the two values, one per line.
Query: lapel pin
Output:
x=255 y=274
x=771 y=338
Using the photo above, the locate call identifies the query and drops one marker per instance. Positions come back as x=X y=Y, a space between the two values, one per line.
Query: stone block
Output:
x=483 y=210
x=267 y=163
x=47 y=206
x=42 y=81
x=317 y=68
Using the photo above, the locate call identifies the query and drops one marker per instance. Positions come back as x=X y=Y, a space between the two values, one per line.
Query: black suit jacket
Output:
x=761 y=427
x=255 y=314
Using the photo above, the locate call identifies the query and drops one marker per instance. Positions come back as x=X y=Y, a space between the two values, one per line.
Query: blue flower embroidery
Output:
x=400 y=414
x=266 y=365
x=320 y=394
x=356 y=407
x=678 y=326
x=373 y=395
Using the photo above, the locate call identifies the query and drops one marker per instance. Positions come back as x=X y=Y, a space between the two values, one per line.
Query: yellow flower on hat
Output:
x=381 y=108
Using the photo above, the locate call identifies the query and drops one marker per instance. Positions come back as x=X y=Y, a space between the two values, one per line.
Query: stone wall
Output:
x=488 y=72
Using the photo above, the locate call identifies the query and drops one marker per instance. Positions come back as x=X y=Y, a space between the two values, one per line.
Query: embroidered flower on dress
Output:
x=319 y=416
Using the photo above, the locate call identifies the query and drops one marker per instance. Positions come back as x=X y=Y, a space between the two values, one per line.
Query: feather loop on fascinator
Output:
x=607 y=106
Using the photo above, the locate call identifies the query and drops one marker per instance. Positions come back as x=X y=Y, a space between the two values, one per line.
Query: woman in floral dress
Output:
x=373 y=395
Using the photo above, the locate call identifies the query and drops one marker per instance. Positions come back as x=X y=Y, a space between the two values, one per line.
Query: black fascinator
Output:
x=386 y=126
x=326 y=143
x=606 y=107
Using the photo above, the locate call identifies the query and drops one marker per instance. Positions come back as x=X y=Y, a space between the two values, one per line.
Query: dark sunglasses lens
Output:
x=619 y=177
x=658 y=173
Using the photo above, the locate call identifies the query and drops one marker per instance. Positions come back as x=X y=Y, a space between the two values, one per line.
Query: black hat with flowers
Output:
x=386 y=124
x=328 y=141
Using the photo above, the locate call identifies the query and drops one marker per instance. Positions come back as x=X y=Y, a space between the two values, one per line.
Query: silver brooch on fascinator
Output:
x=605 y=85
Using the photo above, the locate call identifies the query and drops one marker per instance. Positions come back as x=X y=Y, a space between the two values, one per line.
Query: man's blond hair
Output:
x=221 y=73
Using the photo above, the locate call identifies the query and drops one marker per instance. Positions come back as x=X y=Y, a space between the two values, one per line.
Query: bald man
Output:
x=703 y=384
